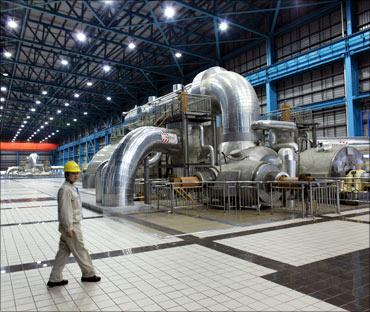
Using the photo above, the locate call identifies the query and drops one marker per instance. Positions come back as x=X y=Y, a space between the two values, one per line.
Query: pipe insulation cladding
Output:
x=238 y=102
x=119 y=178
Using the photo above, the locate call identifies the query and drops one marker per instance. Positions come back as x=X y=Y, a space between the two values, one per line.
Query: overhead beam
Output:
x=111 y=30
x=218 y=17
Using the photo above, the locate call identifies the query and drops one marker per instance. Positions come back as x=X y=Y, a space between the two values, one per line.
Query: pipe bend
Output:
x=119 y=177
x=238 y=102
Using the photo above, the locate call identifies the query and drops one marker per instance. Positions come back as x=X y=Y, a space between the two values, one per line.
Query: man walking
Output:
x=71 y=240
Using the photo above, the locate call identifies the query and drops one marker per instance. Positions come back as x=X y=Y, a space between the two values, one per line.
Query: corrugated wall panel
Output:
x=319 y=32
x=312 y=87
x=363 y=14
x=364 y=72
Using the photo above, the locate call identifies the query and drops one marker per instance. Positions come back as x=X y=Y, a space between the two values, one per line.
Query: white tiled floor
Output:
x=179 y=279
x=305 y=244
x=236 y=229
x=33 y=242
x=187 y=278
x=35 y=214
x=348 y=212
x=362 y=218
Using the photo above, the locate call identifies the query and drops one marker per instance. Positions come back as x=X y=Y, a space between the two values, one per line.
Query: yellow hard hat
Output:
x=71 y=166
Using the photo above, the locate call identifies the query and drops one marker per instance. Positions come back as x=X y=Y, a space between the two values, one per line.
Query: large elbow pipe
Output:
x=208 y=147
x=238 y=102
x=119 y=178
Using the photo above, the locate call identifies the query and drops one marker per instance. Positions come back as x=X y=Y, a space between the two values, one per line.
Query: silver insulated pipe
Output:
x=238 y=102
x=119 y=178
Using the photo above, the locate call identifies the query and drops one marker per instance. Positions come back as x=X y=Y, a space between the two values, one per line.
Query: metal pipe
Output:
x=214 y=137
x=274 y=124
x=146 y=181
x=208 y=147
x=185 y=144
x=289 y=165
x=98 y=181
x=119 y=179
x=290 y=145
x=238 y=102
x=152 y=161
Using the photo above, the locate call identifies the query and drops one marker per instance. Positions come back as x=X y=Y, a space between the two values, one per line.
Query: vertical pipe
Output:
x=342 y=18
x=146 y=181
x=338 y=198
x=185 y=144
x=214 y=140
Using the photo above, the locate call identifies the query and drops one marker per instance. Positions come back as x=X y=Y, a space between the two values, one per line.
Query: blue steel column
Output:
x=271 y=95
x=351 y=81
x=81 y=155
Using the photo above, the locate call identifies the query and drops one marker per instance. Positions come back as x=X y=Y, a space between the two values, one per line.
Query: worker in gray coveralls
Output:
x=71 y=240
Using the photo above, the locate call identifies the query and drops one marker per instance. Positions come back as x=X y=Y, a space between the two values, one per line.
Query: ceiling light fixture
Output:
x=109 y=98
x=38 y=102
x=64 y=62
x=89 y=83
x=80 y=36
x=44 y=92
x=169 y=12
x=12 y=24
x=2 y=99
x=33 y=109
x=7 y=54
x=66 y=104
x=131 y=45
x=3 y=89
x=178 y=54
x=106 y=68
x=223 y=26
x=5 y=74
x=85 y=113
x=76 y=95
x=51 y=118
x=59 y=111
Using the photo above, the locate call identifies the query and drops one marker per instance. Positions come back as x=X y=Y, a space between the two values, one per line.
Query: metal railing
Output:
x=174 y=195
x=307 y=198
x=353 y=190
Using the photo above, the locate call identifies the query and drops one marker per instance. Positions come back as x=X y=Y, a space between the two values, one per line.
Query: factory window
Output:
x=363 y=14
x=331 y=122
x=261 y=94
x=364 y=72
x=309 y=36
x=365 y=113
x=319 y=85
x=253 y=59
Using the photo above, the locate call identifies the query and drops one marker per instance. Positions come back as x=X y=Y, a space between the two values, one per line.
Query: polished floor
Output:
x=193 y=260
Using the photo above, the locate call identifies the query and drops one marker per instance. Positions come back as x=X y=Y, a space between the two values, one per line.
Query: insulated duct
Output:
x=100 y=171
x=208 y=147
x=119 y=178
x=238 y=102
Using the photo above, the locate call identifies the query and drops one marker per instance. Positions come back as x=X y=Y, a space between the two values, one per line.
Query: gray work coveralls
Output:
x=69 y=216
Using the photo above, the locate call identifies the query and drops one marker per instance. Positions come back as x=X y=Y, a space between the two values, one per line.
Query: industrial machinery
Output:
x=210 y=129
x=31 y=166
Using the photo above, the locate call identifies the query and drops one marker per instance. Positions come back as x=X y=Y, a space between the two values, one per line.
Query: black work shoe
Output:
x=91 y=279
x=54 y=284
